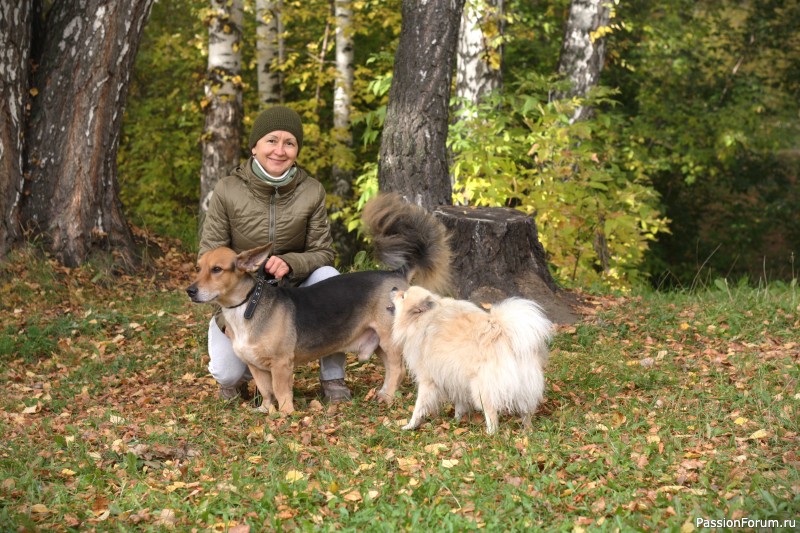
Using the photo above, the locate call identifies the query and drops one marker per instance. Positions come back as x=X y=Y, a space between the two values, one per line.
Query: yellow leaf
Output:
x=760 y=434
x=363 y=467
x=407 y=463
x=684 y=326
x=39 y=508
x=435 y=448
x=294 y=475
x=67 y=472
x=617 y=419
x=449 y=463
x=373 y=494
x=740 y=421
x=255 y=459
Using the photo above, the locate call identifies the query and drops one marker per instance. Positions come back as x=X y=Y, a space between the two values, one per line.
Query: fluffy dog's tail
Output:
x=526 y=327
x=409 y=239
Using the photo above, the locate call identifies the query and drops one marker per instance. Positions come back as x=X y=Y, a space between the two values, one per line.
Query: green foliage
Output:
x=159 y=156
x=709 y=96
x=595 y=217
x=705 y=111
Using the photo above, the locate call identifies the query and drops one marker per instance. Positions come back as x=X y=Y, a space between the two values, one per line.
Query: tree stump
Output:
x=497 y=254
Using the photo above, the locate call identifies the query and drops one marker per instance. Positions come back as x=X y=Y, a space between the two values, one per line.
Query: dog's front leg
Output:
x=263 y=379
x=394 y=371
x=427 y=402
x=283 y=383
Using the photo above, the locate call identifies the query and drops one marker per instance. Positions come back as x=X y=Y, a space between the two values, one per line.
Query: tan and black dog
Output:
x=347 y=313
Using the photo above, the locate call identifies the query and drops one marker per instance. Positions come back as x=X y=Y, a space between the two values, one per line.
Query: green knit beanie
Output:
x=277 y=118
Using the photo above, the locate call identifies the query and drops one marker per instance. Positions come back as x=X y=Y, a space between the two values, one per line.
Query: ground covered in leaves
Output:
x=662 y=412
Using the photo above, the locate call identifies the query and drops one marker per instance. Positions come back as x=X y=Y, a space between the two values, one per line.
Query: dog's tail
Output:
x=409 y=239
x=526 y=326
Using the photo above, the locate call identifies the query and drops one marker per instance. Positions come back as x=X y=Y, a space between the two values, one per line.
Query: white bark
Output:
x=342 y=98
x=222 y=132
x=479 y=39
x=267 y=46
x=224 y=44
x=583 y=50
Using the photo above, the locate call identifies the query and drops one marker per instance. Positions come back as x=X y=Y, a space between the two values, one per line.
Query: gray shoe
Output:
x=335 y=391
x=240 y=390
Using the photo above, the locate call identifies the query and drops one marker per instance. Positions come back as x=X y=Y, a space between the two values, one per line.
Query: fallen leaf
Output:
x=294 y=475
x=435 y=448
x=353 y=496
x=760 y=434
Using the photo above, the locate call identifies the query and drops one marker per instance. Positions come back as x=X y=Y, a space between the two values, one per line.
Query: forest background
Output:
x=689 y=165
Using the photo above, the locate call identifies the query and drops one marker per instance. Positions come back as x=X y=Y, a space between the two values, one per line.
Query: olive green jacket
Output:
x=245 y=212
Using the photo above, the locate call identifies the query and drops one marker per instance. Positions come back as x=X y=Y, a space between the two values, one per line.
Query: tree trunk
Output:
x=222 y=133
x=583 y=51
x=342 y=99
x=480 y=55
x=343 y=156
x=15 y=41
x=413 y=155
x=497 y=254
x=269 y=79
x=581 y=62
x=81 y=83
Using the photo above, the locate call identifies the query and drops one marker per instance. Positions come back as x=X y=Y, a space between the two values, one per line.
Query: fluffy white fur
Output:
x=491 y=361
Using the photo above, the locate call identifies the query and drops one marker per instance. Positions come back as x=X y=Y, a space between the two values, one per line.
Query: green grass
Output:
x=661 y=409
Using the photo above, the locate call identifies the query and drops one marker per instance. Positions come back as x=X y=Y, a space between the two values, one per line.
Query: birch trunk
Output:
x=413 y=155
x=269 y=78
x=583 y=51
x=342 y=99
x=480 y=54
x=222 y=133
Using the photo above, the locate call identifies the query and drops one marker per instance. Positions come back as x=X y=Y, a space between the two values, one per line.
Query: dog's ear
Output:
x=424 y=306
x=250 y=260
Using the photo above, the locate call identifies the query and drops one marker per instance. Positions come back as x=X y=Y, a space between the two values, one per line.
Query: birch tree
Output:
x=583 y=50
x=581 y=62
x=15 y=43
x=223 y=103
x=480 y=54
x=413 y=155
x=343 y=98
x=268 y=38
x=84 y=54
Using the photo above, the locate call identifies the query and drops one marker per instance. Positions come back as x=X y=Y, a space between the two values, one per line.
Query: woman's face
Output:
x=276 y=152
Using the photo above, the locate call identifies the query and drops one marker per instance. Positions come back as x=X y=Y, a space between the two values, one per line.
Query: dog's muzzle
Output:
x=191 y=290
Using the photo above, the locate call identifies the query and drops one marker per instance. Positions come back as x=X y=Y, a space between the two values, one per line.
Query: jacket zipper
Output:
x=272 y=207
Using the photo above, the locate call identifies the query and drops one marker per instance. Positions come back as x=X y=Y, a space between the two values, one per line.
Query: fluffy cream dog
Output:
x=492 y=361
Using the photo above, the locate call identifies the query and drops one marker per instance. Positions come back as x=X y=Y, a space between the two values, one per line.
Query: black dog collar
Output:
x=255 y=295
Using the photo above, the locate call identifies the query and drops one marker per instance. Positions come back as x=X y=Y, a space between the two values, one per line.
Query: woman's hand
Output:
x=277 y=267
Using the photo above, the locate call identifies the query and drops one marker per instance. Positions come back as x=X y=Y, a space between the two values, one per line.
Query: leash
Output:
x=258 y=290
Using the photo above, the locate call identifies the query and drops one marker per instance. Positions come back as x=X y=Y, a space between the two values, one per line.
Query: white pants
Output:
x=229 y=370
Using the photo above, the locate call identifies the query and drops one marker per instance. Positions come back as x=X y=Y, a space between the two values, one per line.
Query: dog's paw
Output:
x=382 y=397
x=409 y=427
x=266 y=408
